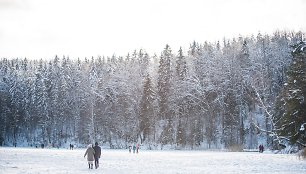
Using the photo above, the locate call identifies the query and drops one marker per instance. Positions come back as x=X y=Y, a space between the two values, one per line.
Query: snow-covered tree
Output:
x=290 y=124
x=163 y=91
x=147 y=116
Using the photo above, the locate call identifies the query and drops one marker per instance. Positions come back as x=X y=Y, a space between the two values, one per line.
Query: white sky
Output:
x=84 y=28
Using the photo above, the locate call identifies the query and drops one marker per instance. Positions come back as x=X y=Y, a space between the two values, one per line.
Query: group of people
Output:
x=135 y=148
x=261 y=148
x=93 y=154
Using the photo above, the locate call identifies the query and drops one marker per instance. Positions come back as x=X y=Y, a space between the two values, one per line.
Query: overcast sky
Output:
x=84 y=28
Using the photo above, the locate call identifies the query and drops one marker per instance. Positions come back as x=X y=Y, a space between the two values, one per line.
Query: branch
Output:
x=298 y=142
x=262 y=103
x=301 y=143
x=270 y=116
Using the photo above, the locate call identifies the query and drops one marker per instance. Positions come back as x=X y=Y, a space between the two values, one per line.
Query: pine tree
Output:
x=4 y=109
x=146 y=116
x=41 y=100
x=181 y=73
x=244 y=56
x=231 y=119
x=164 y=75
x=181 y=65
x=164 y=85
x=292 y=122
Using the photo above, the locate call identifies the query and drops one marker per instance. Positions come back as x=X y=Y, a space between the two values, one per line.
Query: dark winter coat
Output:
x=90 y=152
x=97 y=151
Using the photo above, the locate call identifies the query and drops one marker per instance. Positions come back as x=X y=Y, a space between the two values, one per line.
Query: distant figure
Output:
x=134 y=148
x=72 y=146
x=42 y=145
x=137 y=148
x=261 y=148
x=130 y=148
x=90 y=152
x=97 y=149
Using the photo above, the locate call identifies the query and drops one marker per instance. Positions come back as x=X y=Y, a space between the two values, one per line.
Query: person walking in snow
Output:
x=261 y=148
x=137 y=148
x=97 y=149
x=90 y=152
x=134 y=148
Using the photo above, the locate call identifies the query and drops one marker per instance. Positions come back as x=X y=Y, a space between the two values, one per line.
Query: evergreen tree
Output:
x=181 y=65
x=231 y=120
x=146 y=116
x=181 y=101
x=163 y=86
x=4 y=110
x=244 y=56
x=41 y=101
x=291 y=124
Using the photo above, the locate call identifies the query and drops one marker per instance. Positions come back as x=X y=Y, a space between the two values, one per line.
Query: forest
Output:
x=234 y=94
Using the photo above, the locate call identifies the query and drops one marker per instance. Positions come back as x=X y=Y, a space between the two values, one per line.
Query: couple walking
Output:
x=93 y=155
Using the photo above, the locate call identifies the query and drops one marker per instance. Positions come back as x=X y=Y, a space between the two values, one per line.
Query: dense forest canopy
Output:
x=216 y=95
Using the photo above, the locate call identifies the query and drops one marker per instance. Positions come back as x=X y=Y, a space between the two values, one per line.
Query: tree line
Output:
x=214 y=95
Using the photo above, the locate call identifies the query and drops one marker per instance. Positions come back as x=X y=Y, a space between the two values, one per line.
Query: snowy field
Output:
x=45 y=161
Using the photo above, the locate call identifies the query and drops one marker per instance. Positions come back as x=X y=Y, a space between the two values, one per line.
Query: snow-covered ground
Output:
x=45 y=161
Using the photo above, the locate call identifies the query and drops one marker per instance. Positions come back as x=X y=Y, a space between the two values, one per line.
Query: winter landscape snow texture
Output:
x=29 y=161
